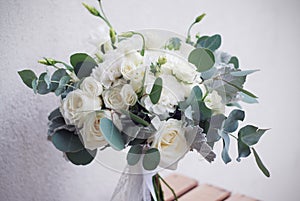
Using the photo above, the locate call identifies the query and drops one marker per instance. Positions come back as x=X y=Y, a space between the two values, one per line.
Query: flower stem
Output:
x=172 y=190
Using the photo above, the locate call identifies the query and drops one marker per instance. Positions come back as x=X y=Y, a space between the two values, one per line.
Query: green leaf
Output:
x=202 y=58
x=134 y=154
x=62 y=83
x=234 y=105
x=226 y=142
x=42 y=87
x=248 y=99
x=135 y=118
x=34 y=85
x=66 y=141
x=241 y=89
x=215 y=123
x=27 y=77
x=250 y=135
x=219 y=80
x=82 y=157
x=231 y=123
x=201 y=41
x=260 y=164
x=212 y=43
x=55 y=113
x=243 y=150
x=151 y=159
x=243 y=72
x=156 y=90
x=83 y=64
x=235 y=61
x=57 y=75
x=111 y=134
x=47 y=79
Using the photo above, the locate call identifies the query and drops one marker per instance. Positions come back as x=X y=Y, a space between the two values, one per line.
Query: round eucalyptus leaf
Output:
x=111 y=134
x=202 y=58
x=134 y=154
x=82 y=157
x=66 y=141
x=151 y=159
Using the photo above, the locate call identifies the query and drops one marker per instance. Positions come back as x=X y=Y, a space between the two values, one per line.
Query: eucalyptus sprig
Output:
x=197 y=20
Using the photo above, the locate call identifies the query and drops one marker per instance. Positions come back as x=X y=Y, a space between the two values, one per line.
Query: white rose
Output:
x=90 y=133
x=113 y=99
x=91 y=86
x=128 y=95
x=130 y=64
x=77 y=105
x=185 y=72
x=171 y=143
x=214 y=102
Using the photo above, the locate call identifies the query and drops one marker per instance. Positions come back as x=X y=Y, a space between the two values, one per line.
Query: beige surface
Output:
x=179 y=183
x=205 y=193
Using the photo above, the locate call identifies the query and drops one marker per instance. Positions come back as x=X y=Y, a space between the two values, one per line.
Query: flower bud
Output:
x=162 y=60
x=92 y=10
x=127 y=34
x=199 y=18
x=47 y=61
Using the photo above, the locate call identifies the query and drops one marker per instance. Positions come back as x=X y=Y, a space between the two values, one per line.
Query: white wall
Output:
x=263 y=34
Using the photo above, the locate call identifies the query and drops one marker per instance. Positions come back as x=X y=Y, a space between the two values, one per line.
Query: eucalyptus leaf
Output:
x=34 y=85
x=212 y=43
x=202 y=58
x=47 y=79
x=226 y=142
x=156 y=90
x=231 y=123
x=250 y=135
x=243 y=150
x=135 y=118
x=241 y=89
x=83 y=64
x=248 y=99
x=82 y=157
x=54 y=114
x=57 y=75
x=134 y=154
x=151 y=159
x=66 y=141
x=260 y=164
x=235 y=61
x=62 y=84
x=27 y=77
x=111 y=134
x=42 y=87
x=243 y=73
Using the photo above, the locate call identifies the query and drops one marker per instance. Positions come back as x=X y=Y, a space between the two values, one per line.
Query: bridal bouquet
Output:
x=154 y=94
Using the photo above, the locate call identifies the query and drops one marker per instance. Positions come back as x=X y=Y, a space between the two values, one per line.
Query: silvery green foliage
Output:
x=57 y=122
x=219 y=83
x=132 y=131
x=199 y=142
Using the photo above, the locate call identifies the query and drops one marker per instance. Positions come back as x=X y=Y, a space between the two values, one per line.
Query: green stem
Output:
x=130 y=34
x=188 y=38
x=172 y=190
x=233 y=136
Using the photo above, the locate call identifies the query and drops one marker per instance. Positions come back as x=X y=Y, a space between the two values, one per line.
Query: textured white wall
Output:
x=263 y=34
